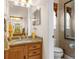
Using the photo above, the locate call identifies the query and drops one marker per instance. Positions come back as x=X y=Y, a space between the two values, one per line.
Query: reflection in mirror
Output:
x=36 y=17
x=18 y=17
x=69 y=21
x=24 y=19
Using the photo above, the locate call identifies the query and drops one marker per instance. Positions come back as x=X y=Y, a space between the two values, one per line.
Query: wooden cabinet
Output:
x=35 y=57
x=35 y=51
x=34 y=46
x=6 y=54
x=26 y=51
x=16 y=52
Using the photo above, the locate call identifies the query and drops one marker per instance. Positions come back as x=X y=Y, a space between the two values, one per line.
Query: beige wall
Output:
x=63 y=43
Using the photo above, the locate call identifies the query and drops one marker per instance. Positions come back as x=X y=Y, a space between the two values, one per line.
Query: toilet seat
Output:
x=58 y=50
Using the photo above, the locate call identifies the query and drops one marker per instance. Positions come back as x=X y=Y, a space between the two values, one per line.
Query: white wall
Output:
x=45 y=30
x=42 y=30
x=6 y=8
x=38 y=27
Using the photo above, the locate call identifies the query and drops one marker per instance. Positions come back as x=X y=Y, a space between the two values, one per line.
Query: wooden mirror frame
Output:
x=65 y=20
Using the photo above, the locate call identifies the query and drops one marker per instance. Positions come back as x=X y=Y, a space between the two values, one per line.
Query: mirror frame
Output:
x=65 y=22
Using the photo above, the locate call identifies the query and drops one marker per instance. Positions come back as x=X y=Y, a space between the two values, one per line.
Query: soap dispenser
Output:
x=34 y=33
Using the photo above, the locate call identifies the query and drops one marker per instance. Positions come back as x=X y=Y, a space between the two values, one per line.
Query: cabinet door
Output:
x=34 y=46
x=35 y=57
x=5 y=54
x=26 y=52
x=16 y=53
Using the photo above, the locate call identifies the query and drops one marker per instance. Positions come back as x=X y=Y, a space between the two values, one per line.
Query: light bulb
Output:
x=30 y=2
x=17 y=3
x=22 y=4
x=28 y=5
x=23 y=1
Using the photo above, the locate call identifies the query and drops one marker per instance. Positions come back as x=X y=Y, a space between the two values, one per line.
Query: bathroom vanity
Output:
x=24 y=49
x=18 y=28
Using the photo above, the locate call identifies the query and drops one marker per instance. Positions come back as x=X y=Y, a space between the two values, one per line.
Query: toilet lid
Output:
x=57 y=49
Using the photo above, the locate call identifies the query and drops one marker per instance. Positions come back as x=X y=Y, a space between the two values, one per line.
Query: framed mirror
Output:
x=69 y=20
x=36 y=18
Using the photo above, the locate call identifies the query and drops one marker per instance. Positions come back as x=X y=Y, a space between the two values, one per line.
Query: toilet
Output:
x=58 y=52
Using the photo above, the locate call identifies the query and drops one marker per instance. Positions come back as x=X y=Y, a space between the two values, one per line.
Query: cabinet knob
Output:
x=34 y=52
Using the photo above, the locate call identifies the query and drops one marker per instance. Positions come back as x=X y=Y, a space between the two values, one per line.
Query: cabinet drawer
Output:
x=34 y=52
x=16 y=48
x=34 y=46
x=35 y=57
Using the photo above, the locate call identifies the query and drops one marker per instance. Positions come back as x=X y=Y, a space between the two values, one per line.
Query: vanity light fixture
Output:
x=28 y=5
x=16 y=18
x=30 y=2
x=22 y=3
x=16 y=3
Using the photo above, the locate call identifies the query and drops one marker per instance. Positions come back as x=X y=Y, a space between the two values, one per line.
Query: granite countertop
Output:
x=24 y=41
